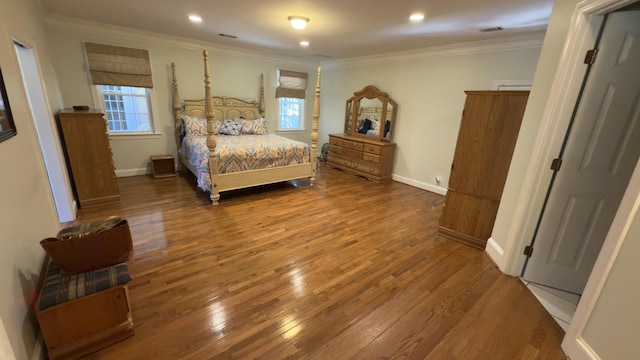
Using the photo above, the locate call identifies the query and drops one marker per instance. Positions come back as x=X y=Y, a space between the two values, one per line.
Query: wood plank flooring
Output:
x=346 y=269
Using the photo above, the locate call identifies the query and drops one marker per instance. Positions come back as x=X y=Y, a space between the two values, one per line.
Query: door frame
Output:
x=563 y=95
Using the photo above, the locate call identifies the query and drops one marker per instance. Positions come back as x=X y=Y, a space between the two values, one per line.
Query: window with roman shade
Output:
x=291 y=84
x=290 y=92
x=122 y=81
x=115 y=65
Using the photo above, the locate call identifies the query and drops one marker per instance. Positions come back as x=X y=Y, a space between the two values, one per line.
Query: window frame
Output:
x=302 y=116
x=98 y=103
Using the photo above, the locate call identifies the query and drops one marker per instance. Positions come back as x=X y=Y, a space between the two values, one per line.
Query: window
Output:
x=122 y=80
x=127 y=108
x=291 y=114
x=291 y=93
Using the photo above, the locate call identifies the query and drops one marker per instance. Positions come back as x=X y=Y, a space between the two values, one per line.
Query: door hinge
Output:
x=590 y=58
x=555 y=164
x=451 y=166
x=528 y=250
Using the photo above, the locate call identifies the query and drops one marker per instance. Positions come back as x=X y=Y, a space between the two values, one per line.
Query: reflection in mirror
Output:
x=369 y=117
x=387 y=122
x=347 y=123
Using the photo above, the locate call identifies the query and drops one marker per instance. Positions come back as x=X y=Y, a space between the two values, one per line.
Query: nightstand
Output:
x=163 y=166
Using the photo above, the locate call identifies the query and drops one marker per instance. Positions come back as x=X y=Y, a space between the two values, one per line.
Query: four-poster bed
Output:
x=227 y=162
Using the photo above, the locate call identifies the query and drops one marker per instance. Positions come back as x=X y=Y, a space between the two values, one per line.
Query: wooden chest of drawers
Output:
x=87 y=148
x=370 y=158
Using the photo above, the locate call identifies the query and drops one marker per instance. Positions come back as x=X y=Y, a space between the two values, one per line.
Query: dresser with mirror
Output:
x=366 y=148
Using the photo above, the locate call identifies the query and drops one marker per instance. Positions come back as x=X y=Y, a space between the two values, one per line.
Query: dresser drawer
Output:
x=333 y=149
x=338 y=160
x=373 y=149
x=356 y=154
x=335 y=141
x=367 y=168
x=370 y=157
x=348 y=144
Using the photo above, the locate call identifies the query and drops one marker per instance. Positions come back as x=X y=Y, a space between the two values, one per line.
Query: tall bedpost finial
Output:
x=211 y=138
x=177 y=106
x=314 y=131
x=208 y=105
x=261 y=105
x=316 y=113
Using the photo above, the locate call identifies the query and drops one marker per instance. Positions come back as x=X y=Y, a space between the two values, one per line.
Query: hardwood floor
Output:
x=346 y=269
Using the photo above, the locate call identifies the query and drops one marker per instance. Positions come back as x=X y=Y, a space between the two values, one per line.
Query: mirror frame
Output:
x=352 y=106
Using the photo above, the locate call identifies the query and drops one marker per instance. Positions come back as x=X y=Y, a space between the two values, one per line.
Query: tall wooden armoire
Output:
x=87 y=148
x=488 y=133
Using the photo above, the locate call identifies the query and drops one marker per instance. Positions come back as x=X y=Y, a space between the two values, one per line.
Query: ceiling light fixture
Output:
x=298 y=22
x=195 y=19
x=304 y=43
x=416 y=17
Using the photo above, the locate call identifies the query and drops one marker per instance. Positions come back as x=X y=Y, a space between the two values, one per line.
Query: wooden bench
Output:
x=82 y=313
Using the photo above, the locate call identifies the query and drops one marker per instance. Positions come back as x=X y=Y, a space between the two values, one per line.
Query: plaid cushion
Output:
x=58 y=288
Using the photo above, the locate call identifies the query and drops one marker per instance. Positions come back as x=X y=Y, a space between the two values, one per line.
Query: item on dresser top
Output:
x=89 y=246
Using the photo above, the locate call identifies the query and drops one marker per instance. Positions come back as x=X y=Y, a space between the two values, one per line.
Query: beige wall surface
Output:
x=27 y=211
x=430 y=96
x=613 y=328
x=233 y=74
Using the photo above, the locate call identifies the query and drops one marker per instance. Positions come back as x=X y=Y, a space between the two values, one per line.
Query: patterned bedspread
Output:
x=242 y=153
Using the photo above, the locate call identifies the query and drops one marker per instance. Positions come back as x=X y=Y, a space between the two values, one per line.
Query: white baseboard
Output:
x=496 y=253
x=419 y=184
x=132 y=172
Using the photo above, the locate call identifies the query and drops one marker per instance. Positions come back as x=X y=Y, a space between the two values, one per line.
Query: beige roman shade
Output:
x=292 y=84
x=114 y=65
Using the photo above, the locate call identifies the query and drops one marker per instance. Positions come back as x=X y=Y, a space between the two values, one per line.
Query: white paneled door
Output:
x=598 y=158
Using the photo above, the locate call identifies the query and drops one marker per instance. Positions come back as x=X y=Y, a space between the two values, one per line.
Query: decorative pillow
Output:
x=193 y=126
x=255 y=127
x=230 y=127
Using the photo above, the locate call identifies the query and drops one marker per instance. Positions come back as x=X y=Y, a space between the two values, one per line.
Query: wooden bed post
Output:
x=177 y=107
x=261 y=105
x=314 y=130
x=211 y=139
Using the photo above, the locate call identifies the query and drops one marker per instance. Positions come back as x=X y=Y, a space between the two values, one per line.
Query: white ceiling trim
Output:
x=528 y=41
x=78 y=25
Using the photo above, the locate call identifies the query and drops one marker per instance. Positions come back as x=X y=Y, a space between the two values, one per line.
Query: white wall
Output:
x=27 y=211
x=430 y=94
x=613 y=328
x=235 y=73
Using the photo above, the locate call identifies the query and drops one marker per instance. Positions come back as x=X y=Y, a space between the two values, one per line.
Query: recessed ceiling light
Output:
x=417 y=17
x=195 y=19
x=304 y=43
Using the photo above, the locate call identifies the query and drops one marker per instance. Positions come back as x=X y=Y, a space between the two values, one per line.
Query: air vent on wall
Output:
x=497 y=28
x=229 y=36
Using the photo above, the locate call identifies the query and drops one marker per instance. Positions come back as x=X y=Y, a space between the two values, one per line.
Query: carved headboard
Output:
x=224 y=108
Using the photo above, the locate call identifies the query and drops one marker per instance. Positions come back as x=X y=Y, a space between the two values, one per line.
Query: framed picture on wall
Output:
x=7 y=127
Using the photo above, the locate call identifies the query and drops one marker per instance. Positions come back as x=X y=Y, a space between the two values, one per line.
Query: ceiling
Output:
x=337 y=29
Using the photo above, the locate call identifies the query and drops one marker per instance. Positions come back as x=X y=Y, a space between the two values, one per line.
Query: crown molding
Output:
x=527 y=41
x=85 y=26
